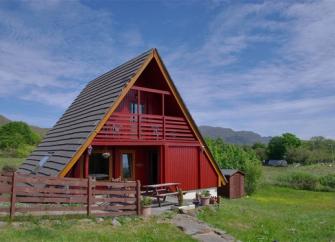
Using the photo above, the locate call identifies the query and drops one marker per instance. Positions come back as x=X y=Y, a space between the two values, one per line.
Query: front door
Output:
x=153 y=166
x=128 y=165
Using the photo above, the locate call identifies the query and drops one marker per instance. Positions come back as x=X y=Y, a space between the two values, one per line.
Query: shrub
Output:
x=252 y=174
x=205 y=193
x=328 y=180
x=9 y=168
x=146 y=201
x=299 y=180
x=24 y=150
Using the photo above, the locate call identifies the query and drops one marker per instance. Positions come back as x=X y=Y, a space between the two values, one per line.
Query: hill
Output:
x=233 y=137
x=3 y=120
x=41 y=131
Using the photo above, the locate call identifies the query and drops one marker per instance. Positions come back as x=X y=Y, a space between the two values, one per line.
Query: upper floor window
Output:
x=133 y=108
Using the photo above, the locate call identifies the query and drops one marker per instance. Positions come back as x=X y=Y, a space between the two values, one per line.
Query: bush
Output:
x=328 y=180
x=24 y=150
x=146 y=201
x=299 y=180
x=252 y=174
x=9 y=168
x=298 y=155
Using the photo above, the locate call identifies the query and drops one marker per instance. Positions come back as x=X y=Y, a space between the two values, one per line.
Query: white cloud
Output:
x=132 y=37
x=59 y=99
x=296 y=83
x=49 y=57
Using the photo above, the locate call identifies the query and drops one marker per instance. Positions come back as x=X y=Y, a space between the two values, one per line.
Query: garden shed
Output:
x=235 y=187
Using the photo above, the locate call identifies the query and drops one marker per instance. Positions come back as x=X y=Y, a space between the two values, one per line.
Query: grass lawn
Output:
x=10 y=161
x=73 y=230
x=277 y=213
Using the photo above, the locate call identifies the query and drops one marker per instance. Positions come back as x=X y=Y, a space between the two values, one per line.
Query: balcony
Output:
x=144 y=127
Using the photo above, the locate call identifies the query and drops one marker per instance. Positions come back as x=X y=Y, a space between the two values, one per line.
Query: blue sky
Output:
x=265 y=66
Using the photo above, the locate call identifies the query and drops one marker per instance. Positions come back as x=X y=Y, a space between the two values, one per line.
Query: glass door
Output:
x=128 y=165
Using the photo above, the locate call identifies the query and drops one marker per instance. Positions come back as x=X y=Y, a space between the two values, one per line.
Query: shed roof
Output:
x=81 y=119
x=230 y=172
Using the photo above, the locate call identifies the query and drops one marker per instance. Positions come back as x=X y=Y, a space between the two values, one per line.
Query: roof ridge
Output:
x=122 y=65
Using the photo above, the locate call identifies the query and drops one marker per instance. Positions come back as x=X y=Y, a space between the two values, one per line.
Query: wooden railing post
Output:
x=163 y=113
x=13 y=196
x=163 y=127
x=89 y=195
x=138 y=197
x=138 y=114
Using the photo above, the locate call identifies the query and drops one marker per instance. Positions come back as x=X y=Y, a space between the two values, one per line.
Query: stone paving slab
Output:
x=200 y=230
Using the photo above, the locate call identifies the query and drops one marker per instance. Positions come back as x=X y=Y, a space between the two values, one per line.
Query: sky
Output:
x=264 y=66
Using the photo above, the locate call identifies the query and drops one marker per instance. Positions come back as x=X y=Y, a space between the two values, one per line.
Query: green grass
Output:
x=73 y=230
x=10 y=161
x=277 y=213
x=270 y=174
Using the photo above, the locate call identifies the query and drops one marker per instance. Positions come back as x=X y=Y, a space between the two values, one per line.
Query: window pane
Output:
x=127 y=164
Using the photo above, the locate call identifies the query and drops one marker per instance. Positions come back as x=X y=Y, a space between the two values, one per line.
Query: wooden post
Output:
x=13 y=196
x=199 y=167
x=138 y=114
x=86 y=165
x=89 y=195
x=163 y=113
x=138 y=196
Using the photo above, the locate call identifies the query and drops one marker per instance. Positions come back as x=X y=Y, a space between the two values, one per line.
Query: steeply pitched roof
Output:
x=81 y=119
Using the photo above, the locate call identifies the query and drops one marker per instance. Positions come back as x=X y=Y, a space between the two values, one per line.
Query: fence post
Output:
x=138 y=196
x=13 y=196
x=89 y=195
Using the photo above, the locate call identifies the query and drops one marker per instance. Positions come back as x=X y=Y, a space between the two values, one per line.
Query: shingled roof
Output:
x=81 y=119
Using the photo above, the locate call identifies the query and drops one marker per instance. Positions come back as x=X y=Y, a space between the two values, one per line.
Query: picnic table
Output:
x=161 y=190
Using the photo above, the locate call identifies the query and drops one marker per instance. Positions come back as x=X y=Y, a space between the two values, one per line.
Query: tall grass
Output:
x=307 y=181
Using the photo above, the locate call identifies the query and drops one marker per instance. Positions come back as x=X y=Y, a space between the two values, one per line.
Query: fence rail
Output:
x=22 y=194
x=122 y=126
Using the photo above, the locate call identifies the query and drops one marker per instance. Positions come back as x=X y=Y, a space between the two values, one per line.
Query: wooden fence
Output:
x=40 y=195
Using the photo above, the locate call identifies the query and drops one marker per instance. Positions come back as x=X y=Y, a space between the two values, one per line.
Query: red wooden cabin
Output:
x=129 y=123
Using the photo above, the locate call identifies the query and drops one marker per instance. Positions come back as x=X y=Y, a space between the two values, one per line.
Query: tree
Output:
x=260 y=150
x=18 y=138
x=280 y=145
x=291 y=141
x=277 y=148
x=235 y=157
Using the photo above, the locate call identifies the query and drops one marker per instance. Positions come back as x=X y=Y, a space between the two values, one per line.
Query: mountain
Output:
x=233 y=137
x=41 y=131
x=3 y=120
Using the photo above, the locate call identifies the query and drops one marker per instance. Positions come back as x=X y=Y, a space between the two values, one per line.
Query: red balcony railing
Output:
x=145 y=127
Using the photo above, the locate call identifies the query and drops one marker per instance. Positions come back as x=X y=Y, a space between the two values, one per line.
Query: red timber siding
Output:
x=208 y=178
x=182 y=166
x=190 y=167
x=77 y=170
